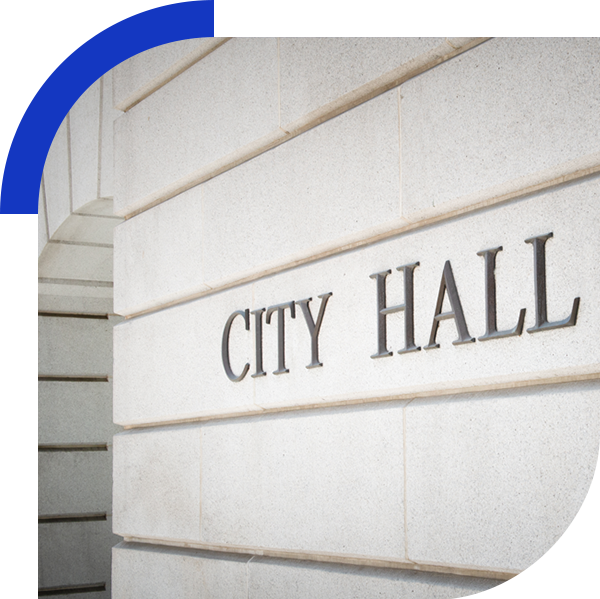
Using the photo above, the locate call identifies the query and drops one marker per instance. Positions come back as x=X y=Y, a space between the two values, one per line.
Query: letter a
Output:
x=456 y=311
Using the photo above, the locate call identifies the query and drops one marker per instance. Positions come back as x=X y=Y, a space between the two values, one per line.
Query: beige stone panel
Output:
x=101 y=206
x=138 y=70
x=72 y=553
x=221 y=103
x=86 y=229
x=316 y=71
x=74 y=346
x=74 y=482
x=494 y=479
x=182 y=363
x=109 y=115
x=75 y=412
x=334 y=180
x=144 y=572
x=42 y=222
x=315 y=192
x=164 y=356
x=57 y=179
x=503 y=110
x=76 y=299
x=85 y=131
x=291 y=579
x=159 y=253
x=77 y=262
x=156 y=483
x=324 y=481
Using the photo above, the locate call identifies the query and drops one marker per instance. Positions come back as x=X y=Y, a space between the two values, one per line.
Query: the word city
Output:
x=447 y=286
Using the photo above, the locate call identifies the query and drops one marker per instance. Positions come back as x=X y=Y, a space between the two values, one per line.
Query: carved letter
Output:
x=456 y=311
x=258 y=343
x=225 y=345
x=383 y=311
x=541 y=309
x=491 y=331
x=312 y=328
x=281 y=369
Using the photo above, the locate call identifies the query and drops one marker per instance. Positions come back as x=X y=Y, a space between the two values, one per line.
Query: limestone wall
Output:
x=280 y=447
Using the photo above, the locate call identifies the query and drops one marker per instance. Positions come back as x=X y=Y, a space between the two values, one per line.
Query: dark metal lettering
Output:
x=382 y=350
x=456 y=311
x=407 y=307
x=541 y=309
x=312 y=328
x=280 y=308
x=491 y=330
x=245 y=314
x=258 y=343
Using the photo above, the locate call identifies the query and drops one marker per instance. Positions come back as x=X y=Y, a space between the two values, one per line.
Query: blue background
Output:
x=28 y=151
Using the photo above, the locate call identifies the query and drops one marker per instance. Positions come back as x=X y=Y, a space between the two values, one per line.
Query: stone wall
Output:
x=428 y=422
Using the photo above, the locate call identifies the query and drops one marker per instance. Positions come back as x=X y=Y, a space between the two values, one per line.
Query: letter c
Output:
x=225 y=345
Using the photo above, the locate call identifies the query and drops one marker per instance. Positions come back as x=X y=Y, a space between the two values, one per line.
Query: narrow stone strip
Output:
x=72 y=589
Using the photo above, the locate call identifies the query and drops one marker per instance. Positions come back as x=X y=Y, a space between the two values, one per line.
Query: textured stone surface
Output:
x=315 y=71
x=59 y=565
x=157 y=483
x=170 y=362
x=57 y=179
x=79 y=262
x=172 y=133
x=320 y=481
x=78 y=299
x=138 y=70
x=288 y=579
x=185 y=367
x=146 y=572
x=74 y=346
x=109 y=114
x=85 y=131
x=42 y=223
x=494 y=479
x=101 y=206
x=74 y=482
x=75 y=412
x=505 y=109
x=333 y=180
x=87 y=229
x=315 y=192
x=160 y=252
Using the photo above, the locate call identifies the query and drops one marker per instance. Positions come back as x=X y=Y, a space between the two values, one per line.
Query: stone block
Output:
x=503 y=110
x=291 y=579
x=74 y=346
x=315 y=192
x=316 y=71
x=183 y=362
x=74 y=482
x=57 y=179
x=221 y=103
x=494 y=479
x=156 y=483
x=108 y=115
x=170 y=362
x=324 y=481
x=144 y=572
x=76 y=299
x=140 y=69
x=72 y=553
x=160 y=253
x=75 y=412
x=78 y=262
x=42 y=222
x=85 y=131
x=87 y=229
x=334 y=180
x=101 y=206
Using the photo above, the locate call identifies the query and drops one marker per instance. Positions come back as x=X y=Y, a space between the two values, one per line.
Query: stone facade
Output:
x=427 y=423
